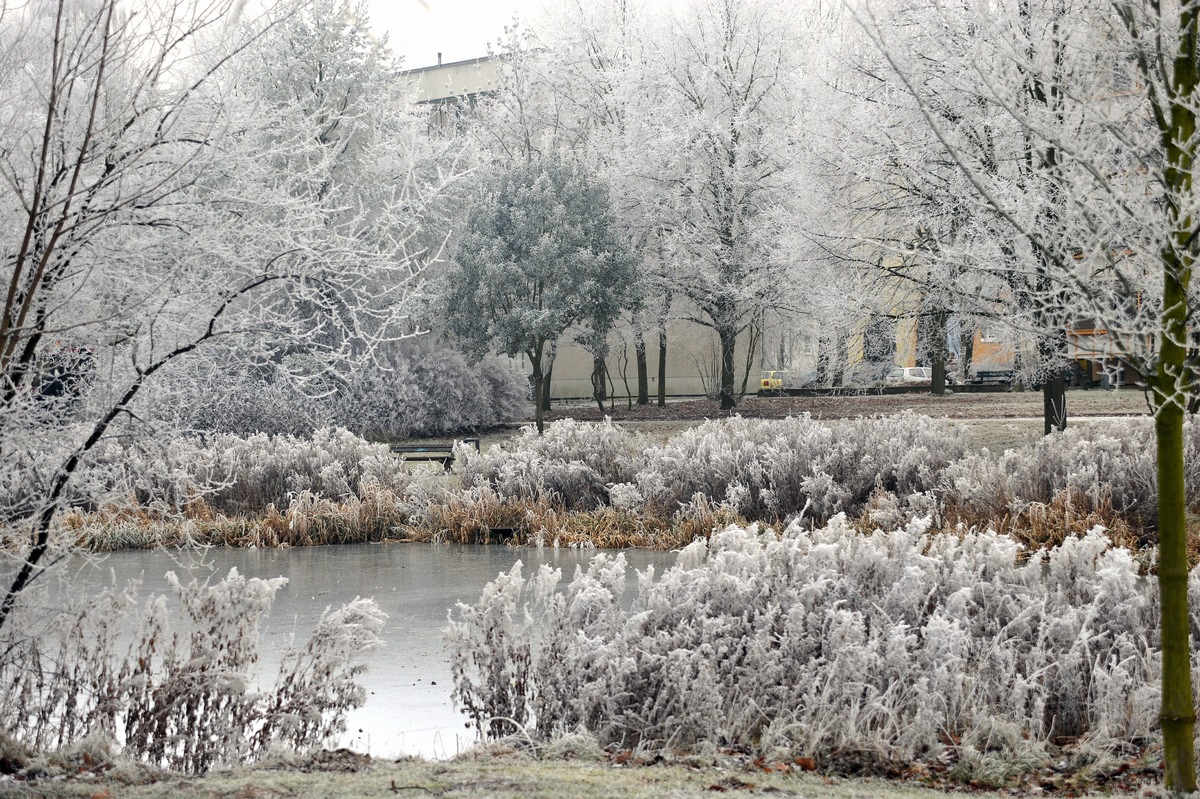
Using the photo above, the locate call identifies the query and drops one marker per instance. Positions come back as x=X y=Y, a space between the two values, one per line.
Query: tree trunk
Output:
x=728 y=342
x=1193 y=360
x=937 y=353
x=624 y=363
x=643 y=369
x=824 y=360
x=937 y=382
x=662 y=368
x=967 y=342
x=599 y=387
x=837 y=357
x=539 y=388
x=1052 y=354
x=754 y=339
x=544 y=393
x=839 y=374
x=1178 y=713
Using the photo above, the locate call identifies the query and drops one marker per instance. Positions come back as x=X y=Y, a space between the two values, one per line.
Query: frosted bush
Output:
x=767 y=469
x=240 y=475
x=1102 y=462
x=499 y=641
x=761 y=469
x=1099 y=463
x=823 y=640
x=420 y=389
x=179 y=693
x=414 y=388
x=572 y=463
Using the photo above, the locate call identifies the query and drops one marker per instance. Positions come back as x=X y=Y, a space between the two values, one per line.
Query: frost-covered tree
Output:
x=1100 y=211
x=728 y=85
x=148 y=217
x=602 y=64
x=958 y=253
x=356 y=148
x=690 y=118
x=360 y=154
x=891 y=207
x=525 y=119
x=538 y=255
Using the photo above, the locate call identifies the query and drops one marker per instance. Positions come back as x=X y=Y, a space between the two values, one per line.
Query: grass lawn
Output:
x=508 y=777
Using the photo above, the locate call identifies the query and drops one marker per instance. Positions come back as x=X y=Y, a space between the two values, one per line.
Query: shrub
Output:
x=572 y=464
x=772 y=469
x=233 y=474
x=1102 y=468
x=183 y=698
x=818 y=641
x=1102 y=463
x=413 y=388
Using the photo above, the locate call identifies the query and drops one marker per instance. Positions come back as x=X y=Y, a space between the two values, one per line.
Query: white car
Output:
x=909 y=376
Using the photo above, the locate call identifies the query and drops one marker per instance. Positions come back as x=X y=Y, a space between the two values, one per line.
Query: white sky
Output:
x=458 y=29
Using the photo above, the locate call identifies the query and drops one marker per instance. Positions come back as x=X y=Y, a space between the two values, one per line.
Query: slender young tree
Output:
x=1101 y=209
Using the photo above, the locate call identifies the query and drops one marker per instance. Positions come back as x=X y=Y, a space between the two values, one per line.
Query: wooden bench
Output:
x=442 y=452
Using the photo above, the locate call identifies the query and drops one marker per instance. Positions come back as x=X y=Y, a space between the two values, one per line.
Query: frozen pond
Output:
x=408 y=708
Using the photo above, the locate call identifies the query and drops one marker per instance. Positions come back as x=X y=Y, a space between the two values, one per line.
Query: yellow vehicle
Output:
x=770 y=382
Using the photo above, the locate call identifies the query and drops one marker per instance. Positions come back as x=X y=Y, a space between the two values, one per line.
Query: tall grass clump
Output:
x=775 y=469
x=572 y=464
x=481 y=516
x=1100 y=472
x=182 y=697
x=894 y=644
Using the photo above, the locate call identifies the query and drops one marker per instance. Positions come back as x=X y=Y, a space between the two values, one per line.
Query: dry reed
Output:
x=540 y=522
x=308 y=521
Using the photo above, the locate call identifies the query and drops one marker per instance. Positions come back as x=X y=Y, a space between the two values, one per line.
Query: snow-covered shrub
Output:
x=204 y=395
x=238 y=475
x=572 y=463
x=423 y=390
x=179 y=693
x=261 y=470
x=1099 y=464
x=1103 y=462
x=496 y=645
x=824 y=640
x=769 y=469
x=761 y=469
x=414 y=388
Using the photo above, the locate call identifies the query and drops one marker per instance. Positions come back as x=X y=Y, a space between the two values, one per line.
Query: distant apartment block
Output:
x=452 y=90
